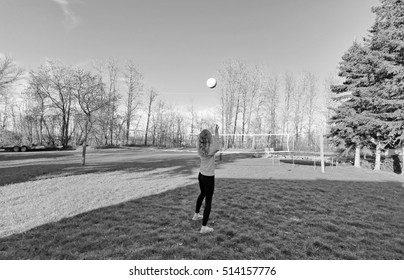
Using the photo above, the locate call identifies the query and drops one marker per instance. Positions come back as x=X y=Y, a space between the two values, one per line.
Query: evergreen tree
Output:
x=374 y=73
x=387 y=44
x=350 y=121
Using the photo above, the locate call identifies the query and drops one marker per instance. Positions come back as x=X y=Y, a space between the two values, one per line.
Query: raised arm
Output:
x=215 y=145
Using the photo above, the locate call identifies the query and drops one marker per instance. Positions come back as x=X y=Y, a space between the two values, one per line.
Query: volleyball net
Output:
x=254 y=142
x=250 y=143
x=278 y=148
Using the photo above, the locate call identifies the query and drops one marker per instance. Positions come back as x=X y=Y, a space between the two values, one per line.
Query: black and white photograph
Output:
x=226 y=139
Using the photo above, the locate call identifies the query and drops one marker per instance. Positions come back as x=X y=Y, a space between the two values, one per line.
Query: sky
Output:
x=179 y=44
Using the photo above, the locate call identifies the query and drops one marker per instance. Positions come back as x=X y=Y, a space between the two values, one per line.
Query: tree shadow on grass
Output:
x=34 y=154
x=183 y=164
x=252 y=218
x=16 y=174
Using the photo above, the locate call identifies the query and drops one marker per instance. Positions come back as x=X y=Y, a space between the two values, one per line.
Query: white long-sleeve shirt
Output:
x=208 y=162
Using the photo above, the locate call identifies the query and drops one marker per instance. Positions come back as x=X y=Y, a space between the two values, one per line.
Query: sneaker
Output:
x=197 y=216
x=206 y=229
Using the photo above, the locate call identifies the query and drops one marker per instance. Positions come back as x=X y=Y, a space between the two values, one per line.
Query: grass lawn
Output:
x=253 y=218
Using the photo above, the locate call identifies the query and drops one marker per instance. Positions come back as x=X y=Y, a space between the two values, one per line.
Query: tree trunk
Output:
x=111 y=128
x=236 y=117
x=41 y=130
x=147 y=128
x=223 y=139
x=402 y=164
x=85 y=142
x=322 y=153
x=377 y=159
x=63 y=132
x=151 y=98
x=127 y=131
x=402 y=160
x=357 y=156
x=243 y=126
x=154 y=135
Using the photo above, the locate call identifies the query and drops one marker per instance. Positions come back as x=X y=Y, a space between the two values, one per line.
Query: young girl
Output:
x=208 y=146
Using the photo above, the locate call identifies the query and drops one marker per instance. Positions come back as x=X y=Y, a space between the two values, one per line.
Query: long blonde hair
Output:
x=204 y=140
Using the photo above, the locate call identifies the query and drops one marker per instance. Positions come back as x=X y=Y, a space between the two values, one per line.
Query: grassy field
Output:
x=259 y=212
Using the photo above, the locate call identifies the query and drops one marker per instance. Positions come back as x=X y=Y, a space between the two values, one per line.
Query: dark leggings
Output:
x=207 y=186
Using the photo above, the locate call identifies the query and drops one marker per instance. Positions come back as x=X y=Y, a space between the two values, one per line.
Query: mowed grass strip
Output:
x=253 y=219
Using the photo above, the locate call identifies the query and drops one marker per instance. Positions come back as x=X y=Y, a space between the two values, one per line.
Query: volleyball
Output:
x=211 y=82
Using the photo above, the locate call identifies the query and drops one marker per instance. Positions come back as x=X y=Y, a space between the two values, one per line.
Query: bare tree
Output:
x=311 y=97
x=180 y=130
x=41 y=104
x=233 y=85
x=299 y=99
x=113 y=70
x=4 y=118
x=134 y=83
x=9 y=73
x=88 y=89
x=152 y=96
x=54 y=81
x=251 y=98
x=228 y=95
x=159 y=120
x=270 y=92
x=191 y=110
x=109 y=70
x=288 y=95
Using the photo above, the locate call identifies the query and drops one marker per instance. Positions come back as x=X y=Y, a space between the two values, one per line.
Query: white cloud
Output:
x=70 y=19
